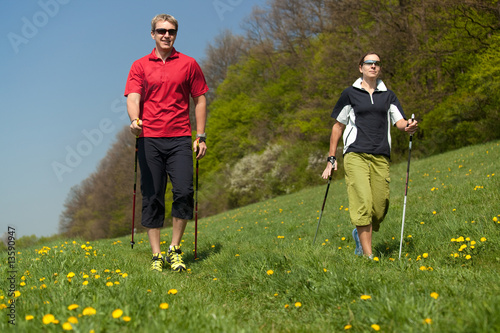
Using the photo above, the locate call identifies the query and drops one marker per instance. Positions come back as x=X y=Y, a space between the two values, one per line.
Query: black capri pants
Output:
x=160 y=158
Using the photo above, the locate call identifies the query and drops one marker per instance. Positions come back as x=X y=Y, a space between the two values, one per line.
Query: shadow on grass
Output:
x=390 y=249
x=202 y=254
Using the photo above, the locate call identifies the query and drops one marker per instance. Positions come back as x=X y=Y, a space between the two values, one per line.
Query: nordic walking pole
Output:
x=322 y=207
x=196 y=214
x=196 y=205
x=406 y=191
x=135 y=186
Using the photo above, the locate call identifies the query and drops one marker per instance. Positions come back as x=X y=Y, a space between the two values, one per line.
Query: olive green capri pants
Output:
x=367 y=180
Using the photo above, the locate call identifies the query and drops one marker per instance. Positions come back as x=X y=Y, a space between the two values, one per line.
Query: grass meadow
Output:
x=258 y=271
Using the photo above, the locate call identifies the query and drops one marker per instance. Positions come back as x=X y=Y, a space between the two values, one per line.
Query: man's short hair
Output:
x=163 y=17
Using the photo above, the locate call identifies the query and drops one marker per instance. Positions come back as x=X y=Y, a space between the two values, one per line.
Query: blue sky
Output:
x=63 y=69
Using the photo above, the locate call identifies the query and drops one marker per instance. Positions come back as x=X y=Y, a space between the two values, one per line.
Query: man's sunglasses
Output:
x=372 y=62
x=171 y=32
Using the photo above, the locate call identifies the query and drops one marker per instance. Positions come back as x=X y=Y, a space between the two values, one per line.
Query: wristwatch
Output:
x=331 y=159
x=202 y=137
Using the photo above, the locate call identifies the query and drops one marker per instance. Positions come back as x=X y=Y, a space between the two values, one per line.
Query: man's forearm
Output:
x=200 y=114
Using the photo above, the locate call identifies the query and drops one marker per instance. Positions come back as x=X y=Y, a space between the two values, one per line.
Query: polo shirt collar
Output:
x=380 y=85
x=153 y=56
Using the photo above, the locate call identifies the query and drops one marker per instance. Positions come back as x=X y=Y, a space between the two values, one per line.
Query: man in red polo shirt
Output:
x=158 y=89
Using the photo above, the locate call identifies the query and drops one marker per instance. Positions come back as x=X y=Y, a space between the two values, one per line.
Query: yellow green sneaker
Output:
x=157 y=262
x=174 y=258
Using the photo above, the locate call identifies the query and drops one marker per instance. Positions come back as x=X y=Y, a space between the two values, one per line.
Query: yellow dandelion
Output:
x=428 y=321
x=286 y=306
x=93 y=271
x=89 y=311
x=468 y=257
x=17 y=293
x=72 y=306
x=376 y=259
x=422 y=268
x=275 y=294
x=172 y=291
x=124 y=275
x=48 y=318
x=298 y=304
x=109 y=284
x=434 y=295
x=164 y=306
x=325 y=270
x=434 y=212
x=29 y=317
x=97 y=276
x=365 y=297
x=85 y=283
x=126 y=318
x=483 y=239
x=270 y=272
x=117 y=313
x=348 y=327
x=376 y=327
x=425 y=255
x=73 y=320
x=67 y=326
x=70 y=275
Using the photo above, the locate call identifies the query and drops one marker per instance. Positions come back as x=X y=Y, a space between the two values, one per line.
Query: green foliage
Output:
x=259 y=271
x=470 y=115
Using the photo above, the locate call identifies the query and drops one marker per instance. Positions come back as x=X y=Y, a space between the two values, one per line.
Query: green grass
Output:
x=230 y=288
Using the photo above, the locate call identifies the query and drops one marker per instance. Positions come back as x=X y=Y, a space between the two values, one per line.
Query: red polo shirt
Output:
x=165 y=89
